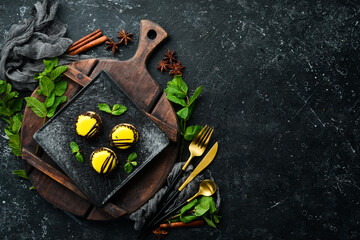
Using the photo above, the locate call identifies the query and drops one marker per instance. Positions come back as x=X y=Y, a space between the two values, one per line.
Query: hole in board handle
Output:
x=151 y=34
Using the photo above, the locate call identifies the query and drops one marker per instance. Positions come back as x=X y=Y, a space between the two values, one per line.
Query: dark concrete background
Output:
x=281 y=87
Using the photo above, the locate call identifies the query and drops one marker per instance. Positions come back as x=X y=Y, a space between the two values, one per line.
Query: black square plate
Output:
x=55 y=137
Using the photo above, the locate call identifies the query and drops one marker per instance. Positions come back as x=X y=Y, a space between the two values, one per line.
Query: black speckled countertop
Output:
x=281 y=88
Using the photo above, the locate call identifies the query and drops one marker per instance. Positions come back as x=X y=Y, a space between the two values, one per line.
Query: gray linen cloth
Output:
x=29 y=42
x=148 y=209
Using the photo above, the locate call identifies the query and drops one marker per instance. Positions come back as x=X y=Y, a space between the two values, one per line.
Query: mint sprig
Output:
x=203 y=208
x=10 y=107
x=128 y=167
x=52 y=87
x=116 y=110
x=76 y=150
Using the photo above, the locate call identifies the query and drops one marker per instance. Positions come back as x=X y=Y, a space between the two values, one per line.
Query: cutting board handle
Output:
x=151 y=35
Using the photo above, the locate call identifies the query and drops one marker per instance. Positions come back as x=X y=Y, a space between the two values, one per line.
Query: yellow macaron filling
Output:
x=124 y=136
x=103 y=161
x=85 y=125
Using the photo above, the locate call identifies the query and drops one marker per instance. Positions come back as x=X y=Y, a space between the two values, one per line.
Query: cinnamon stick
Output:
x=88 y=45
x=196 y=223
x=84 y=38
x=74 y=47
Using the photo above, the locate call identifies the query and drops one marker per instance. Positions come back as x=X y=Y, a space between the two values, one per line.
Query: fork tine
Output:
x=199 y=142
x=203 y=140
x=208 y=138
x=199 y=135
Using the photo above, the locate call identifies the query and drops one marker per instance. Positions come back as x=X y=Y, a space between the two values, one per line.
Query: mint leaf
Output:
x=216 y=218
x=74 y=147
x=50 y=100
x=5 y=111
x=32 y=188
x=209 y=222
x=2 y=86
x=134 y=163
x=132 y=157
x=196 y=94
x=183 y=113
x=60 y=88
x=181 y=84
x=104 y=107
x=21 y=173
x=201 y=209
x=188 y=206
x=176 y=100
x=39 y=91
x=57 y=72
x=46 y=86
x=79 y=157
x=15 y=145
x=57 y=102
x=38 y=107
x=15 y=105
x=17 y=121
x=120 y=110
x=10 y=96
x=192 y=131
x=175 y=91
x=8 y=88
x=188 y=218
x=128 y=167
x=48 y=65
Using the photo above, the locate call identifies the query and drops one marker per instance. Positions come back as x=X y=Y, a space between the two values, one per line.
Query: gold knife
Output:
x=209 y=157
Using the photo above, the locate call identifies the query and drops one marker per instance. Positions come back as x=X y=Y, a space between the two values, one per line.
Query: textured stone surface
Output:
x=281 y=87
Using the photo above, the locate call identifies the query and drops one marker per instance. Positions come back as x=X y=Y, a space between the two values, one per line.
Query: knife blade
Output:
x=209 y=157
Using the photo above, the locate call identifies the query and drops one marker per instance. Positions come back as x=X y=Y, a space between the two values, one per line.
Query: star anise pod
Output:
x=176 y=68
x=124 y=37
x=159 y=233
x=111 y=44
x=170 y=56
x=163 y=65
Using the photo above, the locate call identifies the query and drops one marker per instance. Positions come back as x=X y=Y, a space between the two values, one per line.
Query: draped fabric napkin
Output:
x=29 y=42
x=148 y=209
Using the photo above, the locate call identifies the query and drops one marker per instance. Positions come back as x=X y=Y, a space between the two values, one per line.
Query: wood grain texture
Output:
x=133 y=77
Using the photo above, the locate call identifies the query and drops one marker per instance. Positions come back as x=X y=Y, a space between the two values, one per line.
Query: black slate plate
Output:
x=55 y=137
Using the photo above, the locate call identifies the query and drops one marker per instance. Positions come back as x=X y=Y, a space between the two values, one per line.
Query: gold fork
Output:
x=199 y=143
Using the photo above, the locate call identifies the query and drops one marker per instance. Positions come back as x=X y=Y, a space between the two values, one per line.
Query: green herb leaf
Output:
x=196 y=94
x=74 y=147
x=79 y=157
x=183 y=113
x=50 y=100
x=176 y=100
x=15 y=144
x=134 y=163
x=57 y=102
x=39 y=91
x=60 y=88
x=209 y=222
x=188 y=206
x=132 y=157
x=8 y=88
x=10 y=96
x=15 y=105
x=32 y=188
x=119 y=110
x=2 y=86
x=8 y=131
x=57 y=71
x=216 y=218
x=128 y=167
x=38 y=107
x=48 y=65
x=201 y=209
x=5 y=111
x=192 y=131
x=46 y=86
x=20 y=173
x=104 y=107
x=188 y=218
x=17 y=121
x=181 y=84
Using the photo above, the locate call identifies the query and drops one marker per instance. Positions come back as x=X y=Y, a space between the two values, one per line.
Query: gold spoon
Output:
x=206 y=188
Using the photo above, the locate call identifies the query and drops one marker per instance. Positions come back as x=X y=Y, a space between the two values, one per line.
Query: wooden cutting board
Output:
x=132 y=75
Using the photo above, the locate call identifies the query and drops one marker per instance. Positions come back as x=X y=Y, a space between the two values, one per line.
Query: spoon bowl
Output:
x=206 y=188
